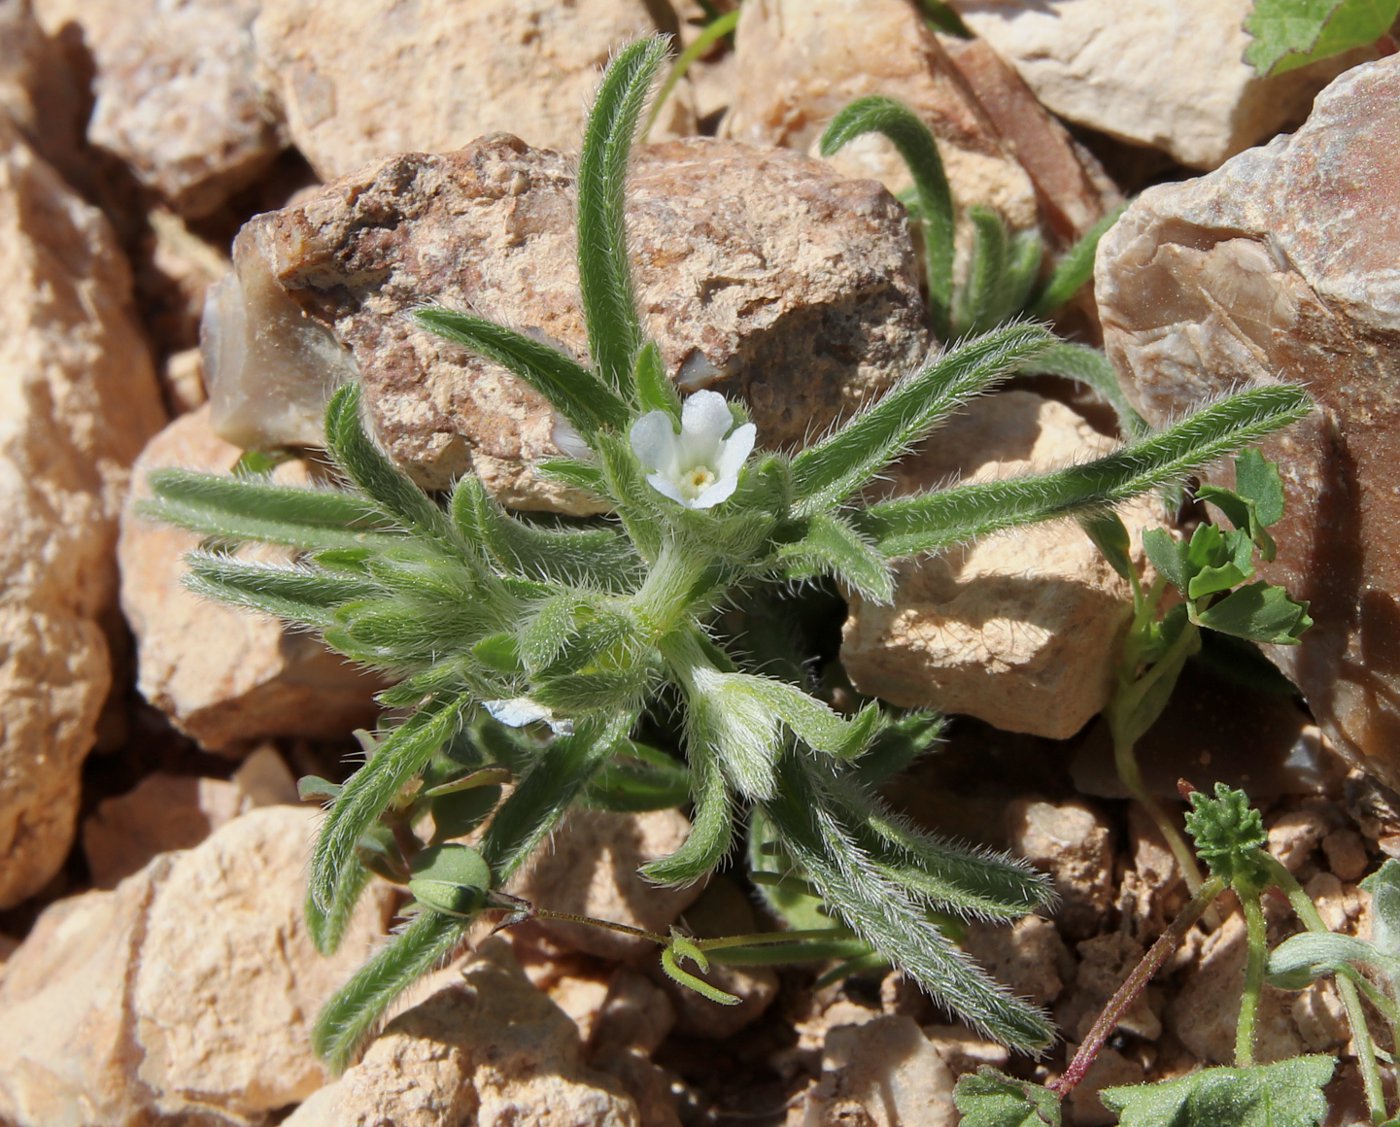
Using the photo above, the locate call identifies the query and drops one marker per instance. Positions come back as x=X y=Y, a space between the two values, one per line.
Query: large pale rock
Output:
x=882 y=1073
x=176 y=96
x=223 y=675
x=1281 y=265
x=492 y=1051
x=77 y=400
x=590 y=869
x=1165 y=73
x=457 y=69
x=799 y=62
x=184 y=995
x=38 y=93
x=803 y=299
x=1020 y=630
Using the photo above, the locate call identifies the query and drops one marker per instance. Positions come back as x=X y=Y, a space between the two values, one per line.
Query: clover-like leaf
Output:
x=1228 y=832
x=990 y=1098
x=1293 y=33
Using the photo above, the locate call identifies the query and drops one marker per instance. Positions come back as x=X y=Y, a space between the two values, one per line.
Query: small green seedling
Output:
x=540 y=648
x=1288 y=34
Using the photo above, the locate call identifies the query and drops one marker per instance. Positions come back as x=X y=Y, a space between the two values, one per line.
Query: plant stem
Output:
x=1366 y=1062
x=1134 y=985
x=1257 y=938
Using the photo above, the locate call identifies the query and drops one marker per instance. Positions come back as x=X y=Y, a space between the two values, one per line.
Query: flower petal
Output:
x=518 y=711
x=655 y=444
x=721 y=490
x=735 y=451
x=705 y=420
x=667 y=487
x=569 y=441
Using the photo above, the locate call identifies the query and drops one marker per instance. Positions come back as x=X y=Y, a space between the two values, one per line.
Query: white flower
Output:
x=520 y=711
x=700 y=466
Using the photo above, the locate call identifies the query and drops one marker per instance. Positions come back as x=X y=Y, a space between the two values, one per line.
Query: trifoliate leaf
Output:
x=1286 y=1094
x=992 y=1099
x=1260 y=612
x=1292 y=33
x=1228 y=832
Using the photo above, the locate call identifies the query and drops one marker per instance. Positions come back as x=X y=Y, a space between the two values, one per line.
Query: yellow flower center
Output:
x=696 y=480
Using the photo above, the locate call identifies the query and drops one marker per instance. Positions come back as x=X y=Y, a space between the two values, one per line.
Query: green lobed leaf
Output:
x=989 y=1098
x=833 y=469
x=1259 y=612
x=605 y=272
x=933 y=202
x=1288 y=34
x=1288 y=1093
x=1227 y=831
x=578 y=394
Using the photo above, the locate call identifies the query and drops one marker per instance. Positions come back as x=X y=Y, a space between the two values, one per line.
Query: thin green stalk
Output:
x=712 y=34
x=1256 y=959
x=1366 y=1061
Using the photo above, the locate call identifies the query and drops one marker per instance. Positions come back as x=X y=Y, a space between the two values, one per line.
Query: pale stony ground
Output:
x=280 y=186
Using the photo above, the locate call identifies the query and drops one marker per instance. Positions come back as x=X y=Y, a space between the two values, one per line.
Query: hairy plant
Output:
x=536 y=649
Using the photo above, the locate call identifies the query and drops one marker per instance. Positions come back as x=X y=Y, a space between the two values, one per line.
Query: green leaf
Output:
x=980 y=302
x=401 y=756
x=248 y=510
x=302 y=595
x=452 y=878
x=1286 y=1094
x=1075 y=268
x=933 y=203
x=1228 y=832
x=836 y=467
x=1258 y=480
x=992 y=1099
x=1260 y=612
x=655 y=391
x=641 y=778
x=830 y=546
x=1302 y=959
x=927 y=522
x=1168 y=556
x=1384 y=887
x=1110 y=536
x=682 y=947
x=1292 y=33
x=582 y=476
x=716 y=29
x=605 y=273
x=457 y=813
x=575 y=392
x=711 y=823
x=897 y=744
x=1091 y=367
x=327 y=927
x=813 y=722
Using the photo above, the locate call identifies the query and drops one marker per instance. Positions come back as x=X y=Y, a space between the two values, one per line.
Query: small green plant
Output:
x=1229 y=838
x=1288 y=34
x=536 y=650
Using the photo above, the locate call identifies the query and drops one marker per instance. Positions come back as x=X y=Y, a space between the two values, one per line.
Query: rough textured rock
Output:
x=799 y=62
x=590 y=869
x=1170 y=75
x=1019 y=630
x=1074 y=843
x=77 y=400
x=163 y=813
x=804 y=300
x=37 y=92
x=187 y=992
x=490 y=1052
x=459 y=69
x=1232 y=279
x=176 y=95
x=223 y=675
x=883 y=1073
x=1028 y=956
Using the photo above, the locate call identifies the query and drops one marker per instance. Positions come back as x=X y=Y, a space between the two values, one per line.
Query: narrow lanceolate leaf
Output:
x=600 y=558
x=1075 y=268
x=388 y=486
x=252 y=510
x=357 y=1007
x=327 y=926
x=830 y=546
x=979 y=304
x=605 y=273
x=929 y=522
x=836 y=467
x=1091 y=367
x=711 y=828
x=933 y=202
x=883 y=913
x=401 y=756
x=572 y=390
x=301 y=595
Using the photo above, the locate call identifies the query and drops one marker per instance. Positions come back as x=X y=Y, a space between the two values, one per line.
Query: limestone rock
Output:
x=799 y=62
x=1233 y=279
x=883 y=1073
x=458 y=69
x=77 y=400
x=176 y=95
x=1020 y=630
x=163 y=813
x=590 y=869
x=1028 y=956
x=490 y=1052
x=38 y=92
x=1074 y=843
x=221 y=674
x=804 y=300
x=1169 y=75
x=185 y=994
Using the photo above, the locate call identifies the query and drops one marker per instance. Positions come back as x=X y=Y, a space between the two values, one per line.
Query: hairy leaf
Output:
x=990 y=1098
x=1286 y=1094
